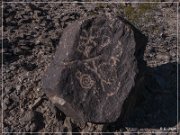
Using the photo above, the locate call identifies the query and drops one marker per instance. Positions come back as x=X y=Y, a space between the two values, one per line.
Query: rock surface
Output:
x=93 y=70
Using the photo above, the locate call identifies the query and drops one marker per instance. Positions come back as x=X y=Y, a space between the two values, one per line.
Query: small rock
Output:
x=5 y=107
x=24 y=48
x=29 y=116
x=18 y=87
x=18 y=51
x=63 y=19
x=29 y=66
x=163 y=57
x=169 y=4
x=12 y=67
x=6 y=101
x=48 y=17
x=33 y=127
x=8 y=90
x=67 y=123
x=163 y=35
x=6 y=129
x=27 y=127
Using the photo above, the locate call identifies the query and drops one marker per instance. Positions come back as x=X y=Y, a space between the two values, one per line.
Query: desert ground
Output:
x=31 y=33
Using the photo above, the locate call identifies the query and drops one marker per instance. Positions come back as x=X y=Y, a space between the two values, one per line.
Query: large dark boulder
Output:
x=94 y=70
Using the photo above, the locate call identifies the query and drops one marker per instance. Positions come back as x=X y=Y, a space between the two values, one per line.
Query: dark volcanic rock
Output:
x=93 y=70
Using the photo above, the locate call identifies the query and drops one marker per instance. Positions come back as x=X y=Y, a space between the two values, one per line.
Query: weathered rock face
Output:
x=93 y=70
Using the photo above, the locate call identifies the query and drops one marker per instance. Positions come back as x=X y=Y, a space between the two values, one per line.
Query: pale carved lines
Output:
x=85 y=80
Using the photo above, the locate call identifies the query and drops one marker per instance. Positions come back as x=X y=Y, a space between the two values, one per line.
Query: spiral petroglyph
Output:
x=85 y=80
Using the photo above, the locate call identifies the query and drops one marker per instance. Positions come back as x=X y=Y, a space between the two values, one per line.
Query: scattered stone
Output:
x=33 y=127
x=36 y=102
x=27 y=127
x=163 y=57
x=168 y=4
x=48 y=17
x=18 y=87
x=67 y=123
x=29 y=116
x=6 y=101
x=12 y=67
x=29 y=66
x=6 y=129
x=8 y=89
x=4 y=107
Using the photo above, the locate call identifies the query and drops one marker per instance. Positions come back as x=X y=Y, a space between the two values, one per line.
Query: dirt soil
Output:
x=31 y=34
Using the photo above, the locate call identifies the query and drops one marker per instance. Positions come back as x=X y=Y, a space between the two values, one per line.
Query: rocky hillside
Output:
x=31 y=34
